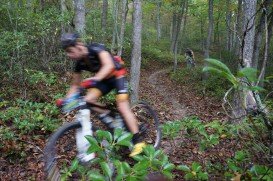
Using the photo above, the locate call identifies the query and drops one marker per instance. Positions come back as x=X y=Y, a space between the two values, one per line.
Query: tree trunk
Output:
x=123 y=25
x=174 y=27
x=267 y=47
x=29 y=5
x=228 y=24
x=258 y=36
x=210 y=29
x=233 y=35
x=238 y=42
x=217 y=33
x=80 y=16
x=158 y=22
x=63 y=9
x=249 y=29
x=136 y=51
x=104 y=15
x=115 y=38
x=20 y=3
x=176 y=34
x=202 y=33
x=245 y=98
x=176 y=31
x=42 y=5
x=185 y=18
x=96 y=3
x=261 y=76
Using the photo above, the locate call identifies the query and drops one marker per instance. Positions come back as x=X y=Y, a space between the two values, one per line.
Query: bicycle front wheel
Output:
x=59 y=150
x=148 y=123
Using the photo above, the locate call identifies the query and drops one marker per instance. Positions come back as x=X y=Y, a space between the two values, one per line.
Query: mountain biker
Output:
x=109 y=75
x=189 y=58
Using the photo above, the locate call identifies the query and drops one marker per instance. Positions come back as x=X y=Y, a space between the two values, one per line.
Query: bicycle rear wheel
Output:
x=148 y=123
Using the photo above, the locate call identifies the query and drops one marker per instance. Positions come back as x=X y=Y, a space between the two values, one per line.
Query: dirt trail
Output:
x=157 y=81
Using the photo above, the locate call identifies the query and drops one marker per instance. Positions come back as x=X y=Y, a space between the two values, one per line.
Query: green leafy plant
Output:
x=171 y=130
x=107 y=164
x=194 y=172
x=28 y=116
x=67 y=171
x=208 y=135
x=39 y=77
x=219 y=68
x=238 y=167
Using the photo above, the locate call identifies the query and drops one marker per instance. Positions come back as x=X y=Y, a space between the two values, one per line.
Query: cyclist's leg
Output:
x=103 y=87
x=124 y=108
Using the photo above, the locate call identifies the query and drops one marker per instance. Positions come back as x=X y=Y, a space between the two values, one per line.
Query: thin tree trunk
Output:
x=136 y=51
x=267 y=47
x=185 y=18
x=210 y=29
x=258 y=36
x=228 y=24
x=63 y=9
x=158 y=21
x=237 y=43
x=115 y=38
x=202 y=33
x=96 y=3
x=177 y=29
x=174 y=27
x=42 y=5
x=123 y=25
x=20 y=3
x=80 y=16
x=171 y=30
x=233 y=35
x=261 y=76
x=176 y=35
x=104 y=15
x=29 y=5
x=217 y=33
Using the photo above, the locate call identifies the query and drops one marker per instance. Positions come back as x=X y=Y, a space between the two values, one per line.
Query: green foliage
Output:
x=214 y=85
x=219 y=68
x=208 y=134
x=238 y=166
x=38 y=77
x=108 y=147
x=261 y=172
x=171 y=129
x=29 y=39
x=26 y=116
x=110 y=98
x=6 y=135
x=194 y=172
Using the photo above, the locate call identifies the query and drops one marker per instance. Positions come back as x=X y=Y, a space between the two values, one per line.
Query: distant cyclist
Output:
x=189 y=58
x=109 y=74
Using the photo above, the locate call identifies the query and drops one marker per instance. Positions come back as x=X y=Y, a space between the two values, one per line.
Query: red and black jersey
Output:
x=94 y=63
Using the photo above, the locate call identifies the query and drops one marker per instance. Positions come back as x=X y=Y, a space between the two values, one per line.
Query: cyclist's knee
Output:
x=122 y=98
x=93 y=95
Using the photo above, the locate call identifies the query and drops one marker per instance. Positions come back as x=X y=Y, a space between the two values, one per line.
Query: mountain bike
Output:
x=61 y=145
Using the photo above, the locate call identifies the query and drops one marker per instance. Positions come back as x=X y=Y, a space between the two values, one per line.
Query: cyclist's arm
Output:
x=76 y=80
x=107 y=66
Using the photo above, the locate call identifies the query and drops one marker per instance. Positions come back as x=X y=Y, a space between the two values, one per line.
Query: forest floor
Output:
x=172 y=101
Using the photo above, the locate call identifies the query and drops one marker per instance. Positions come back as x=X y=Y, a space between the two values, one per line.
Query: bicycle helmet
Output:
x=69 y=39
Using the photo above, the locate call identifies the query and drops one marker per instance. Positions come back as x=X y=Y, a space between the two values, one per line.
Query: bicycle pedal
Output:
x=85 y=158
